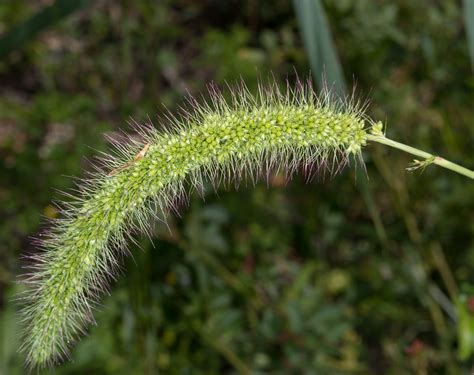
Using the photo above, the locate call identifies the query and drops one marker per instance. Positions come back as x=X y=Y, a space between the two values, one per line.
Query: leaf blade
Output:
x=46 y=17
x=319 y=44
x=469 y=23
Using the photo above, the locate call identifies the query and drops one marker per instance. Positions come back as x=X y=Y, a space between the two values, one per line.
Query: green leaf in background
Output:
x=469 y=22
x=465 y=313
x=45 y=18
x=319 y=45
x=326 y=69
x=9 y=339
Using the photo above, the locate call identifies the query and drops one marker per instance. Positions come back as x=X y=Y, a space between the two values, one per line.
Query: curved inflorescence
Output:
x=248 y=136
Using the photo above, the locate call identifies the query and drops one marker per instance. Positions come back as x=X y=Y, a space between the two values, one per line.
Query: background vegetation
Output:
x=341 y=275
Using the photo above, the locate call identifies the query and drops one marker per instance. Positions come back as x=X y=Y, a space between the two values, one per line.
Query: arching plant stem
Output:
x=428 y=158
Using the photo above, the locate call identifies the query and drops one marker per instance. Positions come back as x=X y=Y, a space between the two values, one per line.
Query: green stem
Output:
x=429 y=158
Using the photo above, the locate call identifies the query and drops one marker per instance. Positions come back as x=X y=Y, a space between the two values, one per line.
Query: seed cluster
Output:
x=221 y=141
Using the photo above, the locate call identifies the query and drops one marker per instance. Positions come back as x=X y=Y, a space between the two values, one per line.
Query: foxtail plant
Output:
x=223 y=141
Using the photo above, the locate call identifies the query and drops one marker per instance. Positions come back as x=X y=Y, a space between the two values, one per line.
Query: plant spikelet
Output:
x=224 y=141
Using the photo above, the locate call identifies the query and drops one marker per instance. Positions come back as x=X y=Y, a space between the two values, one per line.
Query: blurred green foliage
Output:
x=289 y=278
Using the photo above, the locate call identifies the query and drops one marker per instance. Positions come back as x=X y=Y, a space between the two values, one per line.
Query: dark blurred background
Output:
x=347 y=275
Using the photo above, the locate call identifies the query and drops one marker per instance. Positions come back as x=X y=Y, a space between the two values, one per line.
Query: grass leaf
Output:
x=326 y=69
x=319 y=45
x=469 y=22
x=46 y=17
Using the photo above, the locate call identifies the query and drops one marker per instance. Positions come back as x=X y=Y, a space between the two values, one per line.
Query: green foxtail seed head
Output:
x=249 y=136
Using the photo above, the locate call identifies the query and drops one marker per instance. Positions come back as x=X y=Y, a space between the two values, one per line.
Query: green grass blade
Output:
x=319 y=45
x=469 y=22
x=326 y=69
x=46 y=17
